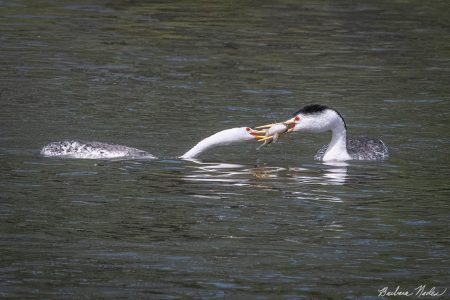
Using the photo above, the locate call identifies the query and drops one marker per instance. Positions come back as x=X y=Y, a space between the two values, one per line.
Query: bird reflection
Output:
x=330 y=173
x=337 y=173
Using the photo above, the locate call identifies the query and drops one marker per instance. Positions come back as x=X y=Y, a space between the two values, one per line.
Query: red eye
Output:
x=297 y=118
x=248 y=129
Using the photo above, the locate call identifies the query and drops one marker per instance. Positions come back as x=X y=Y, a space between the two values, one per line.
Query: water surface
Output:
x=240 y=223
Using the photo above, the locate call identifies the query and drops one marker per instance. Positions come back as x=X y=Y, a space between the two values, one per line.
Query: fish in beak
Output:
x=271 y=132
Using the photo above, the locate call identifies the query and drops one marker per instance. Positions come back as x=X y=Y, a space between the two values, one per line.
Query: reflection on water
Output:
x=337 y=173
x=330 y=173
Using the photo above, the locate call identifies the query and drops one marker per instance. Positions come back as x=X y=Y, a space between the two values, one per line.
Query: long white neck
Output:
x=337 y=149
x=221 y=138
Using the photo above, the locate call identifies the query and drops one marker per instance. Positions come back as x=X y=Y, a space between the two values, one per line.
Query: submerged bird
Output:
x=318 y=118
x=311 y=118
x=92 y=150
x=98 y=150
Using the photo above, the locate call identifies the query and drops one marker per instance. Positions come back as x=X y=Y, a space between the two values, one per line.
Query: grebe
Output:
x=92 y=150
x=312 y=118
x=221 y=138
x=318 y=118
x=97 y=150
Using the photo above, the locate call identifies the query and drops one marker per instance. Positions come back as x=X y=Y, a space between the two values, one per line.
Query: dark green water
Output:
x=246 y=224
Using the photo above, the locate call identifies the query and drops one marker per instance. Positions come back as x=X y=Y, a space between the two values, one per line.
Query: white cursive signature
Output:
x=420 y=291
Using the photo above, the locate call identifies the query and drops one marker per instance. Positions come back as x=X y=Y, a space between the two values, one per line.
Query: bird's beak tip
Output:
x=257 y=134
x=291 y=123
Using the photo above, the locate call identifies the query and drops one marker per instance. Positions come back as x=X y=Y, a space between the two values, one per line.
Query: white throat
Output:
x=221 y=138
x=337 y=148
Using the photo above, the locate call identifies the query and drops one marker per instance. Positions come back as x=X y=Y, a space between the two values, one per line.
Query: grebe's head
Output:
x=315 y=118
